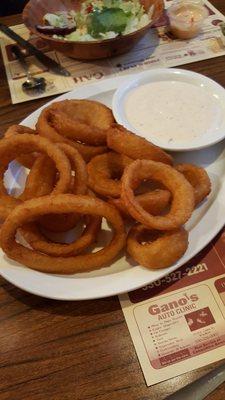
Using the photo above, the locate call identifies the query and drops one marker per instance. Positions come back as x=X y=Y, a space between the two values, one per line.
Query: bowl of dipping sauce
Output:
x=175 y=109
x=186 y=18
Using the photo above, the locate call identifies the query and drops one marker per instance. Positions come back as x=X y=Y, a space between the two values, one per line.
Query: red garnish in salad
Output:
x=89 y=8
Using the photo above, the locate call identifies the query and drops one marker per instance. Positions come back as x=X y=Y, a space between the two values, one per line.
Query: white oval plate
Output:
x=122 y=276
x=216 y=130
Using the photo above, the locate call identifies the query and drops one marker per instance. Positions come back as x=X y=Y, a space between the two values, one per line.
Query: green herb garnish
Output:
x=105 y=20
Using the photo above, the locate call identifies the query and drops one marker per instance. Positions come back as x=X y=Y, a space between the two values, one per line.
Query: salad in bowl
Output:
x=90 y=30
x=96 y=20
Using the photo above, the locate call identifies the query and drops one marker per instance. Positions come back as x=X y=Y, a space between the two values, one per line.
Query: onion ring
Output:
x=69 y=203
x=122 y=141
x=65 y=222
x=160 y=252
x=41 y=178
x=78 y=165
x=11 y=146
x=18 y=130
x=198 y=178
x=39 y=242
x=153 y=202
x=45 y=129
x=102 y=170
x=27 y=160
x=82 y=120
x=183 y=194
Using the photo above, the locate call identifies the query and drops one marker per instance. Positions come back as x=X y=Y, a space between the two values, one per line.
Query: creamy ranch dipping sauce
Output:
x=171 y=111
x=186 y=18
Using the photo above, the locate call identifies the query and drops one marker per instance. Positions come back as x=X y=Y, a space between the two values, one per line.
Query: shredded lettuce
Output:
x=108 y=35
x=55 y=20
x=79 y=36
x=101 y=19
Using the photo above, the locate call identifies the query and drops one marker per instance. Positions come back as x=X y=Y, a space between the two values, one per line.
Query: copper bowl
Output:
x=35 y=10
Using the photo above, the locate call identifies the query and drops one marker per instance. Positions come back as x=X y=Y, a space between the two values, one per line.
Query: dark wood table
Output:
x=51 y=350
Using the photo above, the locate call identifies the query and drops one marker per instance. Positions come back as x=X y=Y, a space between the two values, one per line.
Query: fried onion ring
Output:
x=65 y=222
x=183 y=194
x=45 y=128
x=39 y=242
x=161 y=251
x=78 y=165
x=198 y=178
x=82 y=120
x=153 y=202
x=123 y=141
x=65 y=203
x=104 y=172
x=11 y=146
x=27 y=160
x=41 y=180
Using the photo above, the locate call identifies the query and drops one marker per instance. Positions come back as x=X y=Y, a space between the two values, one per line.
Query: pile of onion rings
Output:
x=82 y=168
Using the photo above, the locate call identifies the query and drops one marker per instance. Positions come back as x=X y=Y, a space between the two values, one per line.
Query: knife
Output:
x=32 y=50
x=202 y=387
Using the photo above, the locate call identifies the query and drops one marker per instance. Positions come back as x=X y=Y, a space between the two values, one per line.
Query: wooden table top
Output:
x=51 y=350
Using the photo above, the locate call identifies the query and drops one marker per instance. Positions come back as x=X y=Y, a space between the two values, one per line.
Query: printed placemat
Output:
x=177 y=324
